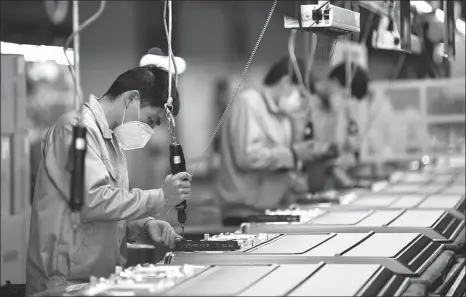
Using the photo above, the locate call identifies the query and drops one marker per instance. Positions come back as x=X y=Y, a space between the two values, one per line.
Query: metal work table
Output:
x=438 y=225
x=406 y=254
x=293 y=280
x=453 y=203
x=251 y=280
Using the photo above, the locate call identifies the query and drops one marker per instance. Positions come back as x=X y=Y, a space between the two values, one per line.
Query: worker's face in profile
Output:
x=152 y=116
x=332 y=94
x=135 y=111
x=286 y=88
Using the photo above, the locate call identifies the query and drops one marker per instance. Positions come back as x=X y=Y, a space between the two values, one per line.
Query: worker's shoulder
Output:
x=251 y=97
x=66 y=120
x=70 y=119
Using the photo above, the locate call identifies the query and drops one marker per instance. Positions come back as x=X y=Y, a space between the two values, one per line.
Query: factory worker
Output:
x=331 y=114
x=258 y=156
x=124 y=118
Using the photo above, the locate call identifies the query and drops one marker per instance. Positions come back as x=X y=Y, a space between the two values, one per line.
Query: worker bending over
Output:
x=112 y=215
x=331 y=114
x=256 y=147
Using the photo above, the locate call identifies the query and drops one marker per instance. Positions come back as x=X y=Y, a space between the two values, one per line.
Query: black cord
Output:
x=170 y=55
x=298 y=15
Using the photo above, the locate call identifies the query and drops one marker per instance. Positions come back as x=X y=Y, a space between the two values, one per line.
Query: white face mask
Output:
x=133 y=135
x=291 y=103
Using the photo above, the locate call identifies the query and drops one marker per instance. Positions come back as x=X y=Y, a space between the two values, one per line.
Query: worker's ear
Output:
x=130 y=97
x=133 y=96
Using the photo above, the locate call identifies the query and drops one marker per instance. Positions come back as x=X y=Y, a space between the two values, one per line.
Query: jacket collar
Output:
x=100 y=117
x=269 y=101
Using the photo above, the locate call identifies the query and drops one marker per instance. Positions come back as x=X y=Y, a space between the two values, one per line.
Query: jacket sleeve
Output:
x=134 y=229
x=250 y=147
x=104 y=202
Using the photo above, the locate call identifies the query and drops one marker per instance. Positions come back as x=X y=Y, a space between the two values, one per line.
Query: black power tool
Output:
x=353 y=130
x=178 y=164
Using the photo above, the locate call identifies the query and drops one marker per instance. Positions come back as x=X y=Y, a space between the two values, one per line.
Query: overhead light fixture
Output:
x=38 y=53
x=424 y=7
x=439 y=15
x=460 y=26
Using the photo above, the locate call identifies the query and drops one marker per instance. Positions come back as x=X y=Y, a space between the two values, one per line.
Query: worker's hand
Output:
x=162 y=233
x=176 y=188
x=310 y=150
x=298 y=183
x=354 y=142
x=345 y=161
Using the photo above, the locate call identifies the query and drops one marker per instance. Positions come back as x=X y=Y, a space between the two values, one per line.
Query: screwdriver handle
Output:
x=178 y=164
x=78 y=154
x=353 y=130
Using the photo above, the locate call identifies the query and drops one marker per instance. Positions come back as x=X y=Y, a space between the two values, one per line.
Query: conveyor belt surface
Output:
x=293 y=280
x=419 y=177
x=454 y=203
x=317 y=279
x=407 y=254
x=438 y=225
x=413 y=188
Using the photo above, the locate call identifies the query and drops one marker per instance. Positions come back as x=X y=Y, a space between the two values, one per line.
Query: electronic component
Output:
x=327 y=18
x=269 y=218
x=222 y=243
x=331 y=197
x=141 y=280
x=295 y=215
x=209 y=245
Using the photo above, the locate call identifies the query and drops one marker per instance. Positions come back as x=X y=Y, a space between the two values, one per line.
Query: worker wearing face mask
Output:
x=124 y=118
x=257 y=151
x=332 y=121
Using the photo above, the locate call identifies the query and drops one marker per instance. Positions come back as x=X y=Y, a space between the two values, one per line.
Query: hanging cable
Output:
x=251 y=57
x=83 y=26
x=303 y=83
x=170 y=50
x=78 y=149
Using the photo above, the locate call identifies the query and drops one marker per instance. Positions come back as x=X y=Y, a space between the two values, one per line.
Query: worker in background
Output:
x=122 y=119
x=258 y=155
x=331 y=115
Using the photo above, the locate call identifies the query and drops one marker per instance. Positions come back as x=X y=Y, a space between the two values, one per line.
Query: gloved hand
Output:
x=162 y=232
x=354 y=142
x=310 y=149
x=298 y=183
x=176 y=188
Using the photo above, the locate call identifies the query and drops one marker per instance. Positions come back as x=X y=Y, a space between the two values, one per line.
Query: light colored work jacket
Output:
x=111 y=216
x=256 y=156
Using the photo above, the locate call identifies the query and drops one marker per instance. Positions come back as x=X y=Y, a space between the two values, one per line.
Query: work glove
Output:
x=162 y=233
x=354 y=142
x=310 y=149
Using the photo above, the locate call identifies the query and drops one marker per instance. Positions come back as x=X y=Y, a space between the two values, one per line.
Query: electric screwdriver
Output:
x=78 y=154
x=353 y=130
x=309 y=131
x=178 y=164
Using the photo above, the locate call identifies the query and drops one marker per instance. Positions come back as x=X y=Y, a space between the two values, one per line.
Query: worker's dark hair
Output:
x=152 y=84
x=282 y=68
x=360 y=82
